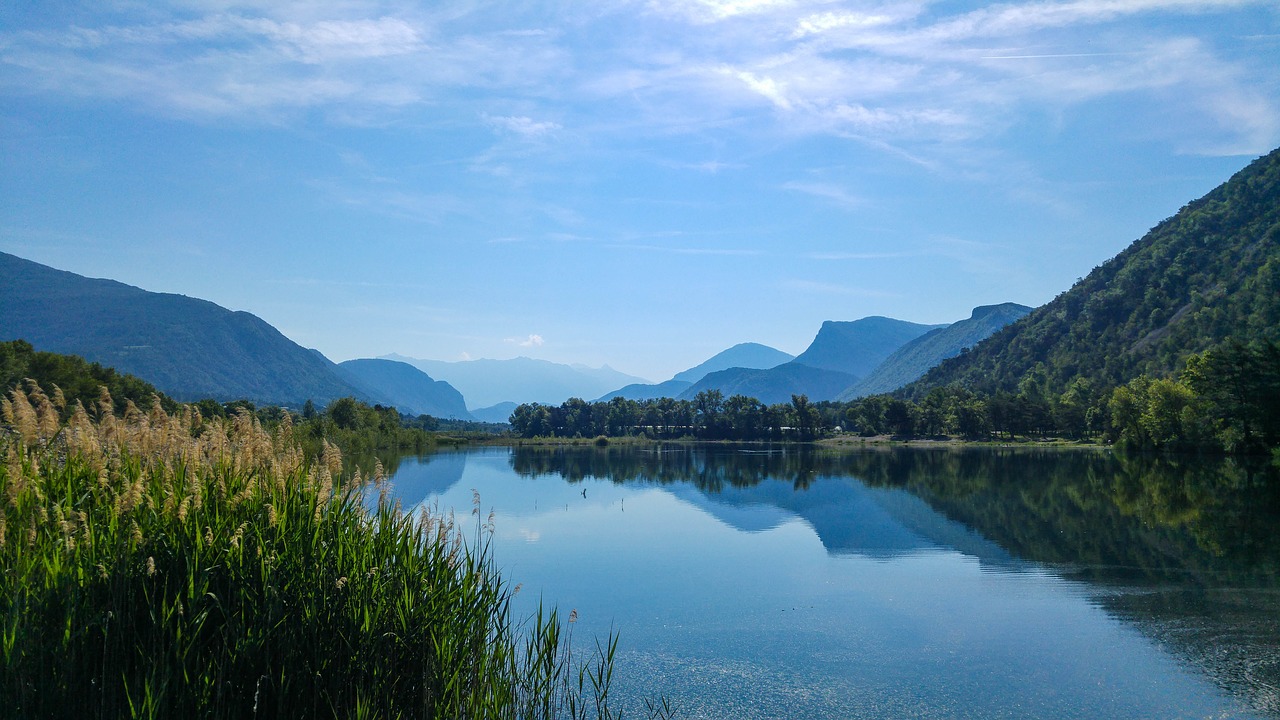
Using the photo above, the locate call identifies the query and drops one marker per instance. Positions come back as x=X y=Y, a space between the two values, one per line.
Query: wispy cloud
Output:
x=826 y=191
x=432 y=208
x=902 y=72
x=520 y=125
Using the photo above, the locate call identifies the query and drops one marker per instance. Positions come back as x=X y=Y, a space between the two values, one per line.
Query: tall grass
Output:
x=158 y=565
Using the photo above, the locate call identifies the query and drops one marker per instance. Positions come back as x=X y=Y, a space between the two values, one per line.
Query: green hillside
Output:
x=1208 y=274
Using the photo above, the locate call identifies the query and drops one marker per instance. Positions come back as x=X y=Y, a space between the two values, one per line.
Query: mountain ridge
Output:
x=744 y=355
x=917 y=357
x=187 y=347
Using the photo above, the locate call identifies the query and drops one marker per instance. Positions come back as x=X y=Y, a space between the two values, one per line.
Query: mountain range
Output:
x=743 y=355
x=836 y=359
x=920 y=355
x=193 y=349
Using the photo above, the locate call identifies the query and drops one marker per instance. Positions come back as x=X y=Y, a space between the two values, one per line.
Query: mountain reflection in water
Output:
x=1183 y=549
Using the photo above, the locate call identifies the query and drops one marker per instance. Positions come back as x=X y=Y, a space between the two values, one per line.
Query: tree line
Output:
x=1225 y=400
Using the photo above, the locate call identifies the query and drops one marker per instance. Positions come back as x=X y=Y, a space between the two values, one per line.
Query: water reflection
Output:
x=1185 y=550
x=1099 y=515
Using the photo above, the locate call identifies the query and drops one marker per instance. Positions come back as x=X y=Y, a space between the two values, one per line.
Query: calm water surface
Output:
x=793 y=583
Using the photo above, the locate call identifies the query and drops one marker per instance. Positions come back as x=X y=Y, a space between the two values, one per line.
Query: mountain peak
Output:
x=857 y=346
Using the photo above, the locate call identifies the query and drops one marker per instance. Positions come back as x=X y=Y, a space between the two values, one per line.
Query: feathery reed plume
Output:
x=59 y=400
x=24 y=417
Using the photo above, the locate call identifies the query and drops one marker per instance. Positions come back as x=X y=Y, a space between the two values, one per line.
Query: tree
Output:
x=806 y=417
x=1241 y=384
x=744 y=417
x=344 y=413
x=708 y=407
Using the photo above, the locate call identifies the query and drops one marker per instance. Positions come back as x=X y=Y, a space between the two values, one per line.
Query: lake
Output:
x=794 y=582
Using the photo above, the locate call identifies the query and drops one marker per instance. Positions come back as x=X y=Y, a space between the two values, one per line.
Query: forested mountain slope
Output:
x=189 y=348
x=1208 y=274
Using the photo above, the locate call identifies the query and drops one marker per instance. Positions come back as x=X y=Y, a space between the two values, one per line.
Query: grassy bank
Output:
x=159 y=565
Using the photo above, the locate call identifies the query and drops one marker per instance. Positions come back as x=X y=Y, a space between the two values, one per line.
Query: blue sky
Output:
x=631 y=182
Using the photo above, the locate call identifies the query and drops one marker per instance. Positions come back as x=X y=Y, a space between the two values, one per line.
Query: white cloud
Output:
x=707 y=11
x=823 y=22
x=529 y=342
x=766 y=87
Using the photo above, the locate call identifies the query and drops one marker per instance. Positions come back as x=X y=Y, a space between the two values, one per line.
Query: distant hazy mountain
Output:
x=742 y=355
x=774 y=385
x=645 y=391
x=499 y=413
x=406 y=387
x=858 y=346
x=917 y=357
x=836 y=359
x=521 y=380
x=188 y=348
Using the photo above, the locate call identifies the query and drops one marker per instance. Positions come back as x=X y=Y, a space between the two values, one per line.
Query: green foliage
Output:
x=1241 y=384
x=76 y=379
x=361 y=429
x=709 y=416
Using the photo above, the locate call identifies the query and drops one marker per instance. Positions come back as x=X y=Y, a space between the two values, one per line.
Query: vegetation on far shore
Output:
x=157 y=564
x=1223 y=402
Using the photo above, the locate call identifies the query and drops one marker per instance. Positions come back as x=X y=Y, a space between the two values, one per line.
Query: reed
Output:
x=162 y=565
